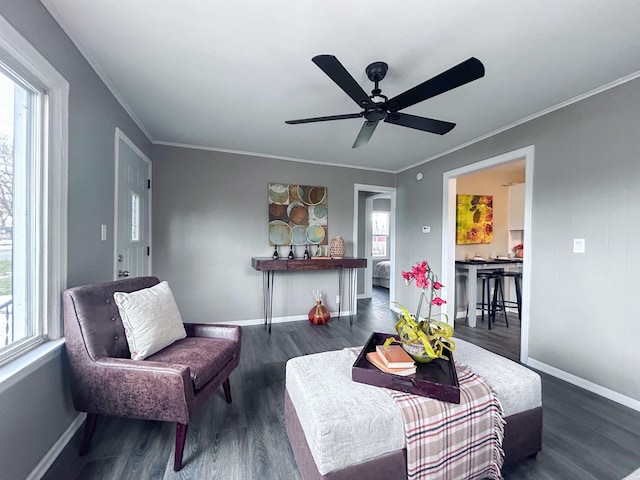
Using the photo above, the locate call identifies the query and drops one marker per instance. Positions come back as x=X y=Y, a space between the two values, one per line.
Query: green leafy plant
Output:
x=433 y=336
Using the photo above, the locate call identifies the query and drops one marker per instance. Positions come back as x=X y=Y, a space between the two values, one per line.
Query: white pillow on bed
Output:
x=151 y=319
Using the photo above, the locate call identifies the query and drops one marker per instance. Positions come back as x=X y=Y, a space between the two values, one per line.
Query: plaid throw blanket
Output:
x=446 y=441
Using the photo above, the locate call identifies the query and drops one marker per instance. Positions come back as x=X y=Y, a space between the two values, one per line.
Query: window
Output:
x=379 y=234
x=135 y=217
x=33 y=151
x=19 y=116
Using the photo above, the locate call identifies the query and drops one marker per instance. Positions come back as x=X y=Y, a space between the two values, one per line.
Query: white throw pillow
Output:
x=151 y=319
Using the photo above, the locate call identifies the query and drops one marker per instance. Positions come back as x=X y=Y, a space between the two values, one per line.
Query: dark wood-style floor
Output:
x=500 y=339
x=585 y=436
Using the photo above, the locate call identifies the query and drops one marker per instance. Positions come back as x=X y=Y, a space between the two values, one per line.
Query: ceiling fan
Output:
x=378 y=107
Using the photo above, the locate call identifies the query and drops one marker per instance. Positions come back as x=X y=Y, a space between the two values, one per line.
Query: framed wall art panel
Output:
x=474 y=219
x=298 y=215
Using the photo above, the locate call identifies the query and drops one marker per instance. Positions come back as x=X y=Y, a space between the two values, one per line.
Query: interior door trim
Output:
x=391 y=191
x=120 y=137
x=449 y=234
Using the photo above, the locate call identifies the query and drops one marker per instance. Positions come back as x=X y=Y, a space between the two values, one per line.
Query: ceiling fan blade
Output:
x=420 y=123
x=365 y=133
x=336 y=72
x=465 y=72
x=324 y=119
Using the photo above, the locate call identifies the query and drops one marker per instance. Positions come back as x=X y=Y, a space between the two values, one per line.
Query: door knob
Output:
x=123 y=273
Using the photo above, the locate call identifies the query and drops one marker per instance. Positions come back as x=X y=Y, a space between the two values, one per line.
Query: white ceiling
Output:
x=226 y=74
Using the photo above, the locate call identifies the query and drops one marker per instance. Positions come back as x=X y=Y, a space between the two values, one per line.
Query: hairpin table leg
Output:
x=268 y=277
x=340 y=292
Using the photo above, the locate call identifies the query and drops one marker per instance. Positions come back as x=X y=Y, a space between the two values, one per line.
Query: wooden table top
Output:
x=299 y=264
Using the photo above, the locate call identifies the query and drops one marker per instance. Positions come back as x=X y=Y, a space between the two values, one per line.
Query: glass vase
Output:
x=417 y=352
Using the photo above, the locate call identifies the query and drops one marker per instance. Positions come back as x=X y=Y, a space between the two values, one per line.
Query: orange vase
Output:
x=319 y=315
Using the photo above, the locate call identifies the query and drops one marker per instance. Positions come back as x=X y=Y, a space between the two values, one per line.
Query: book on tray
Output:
x=394 y=356
x=375 y=359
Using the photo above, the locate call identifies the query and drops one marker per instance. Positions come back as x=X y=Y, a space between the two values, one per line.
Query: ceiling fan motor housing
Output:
x=377 y=71
x=375 y=114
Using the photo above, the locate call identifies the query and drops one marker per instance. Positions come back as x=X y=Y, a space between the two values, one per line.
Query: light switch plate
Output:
x=103 y=232
x=426 y=229
x=578 y=245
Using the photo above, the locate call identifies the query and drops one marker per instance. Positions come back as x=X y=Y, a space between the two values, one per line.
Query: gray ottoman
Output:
x=341 y=429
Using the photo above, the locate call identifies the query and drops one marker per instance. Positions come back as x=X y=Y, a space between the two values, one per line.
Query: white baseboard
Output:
x=293 y=318
x=50 y=457
x=586 y=384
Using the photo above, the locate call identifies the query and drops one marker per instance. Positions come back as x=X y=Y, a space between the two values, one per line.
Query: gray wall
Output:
x=34 y=413
x=585 y=184
x=210 y=218
x=37 y=410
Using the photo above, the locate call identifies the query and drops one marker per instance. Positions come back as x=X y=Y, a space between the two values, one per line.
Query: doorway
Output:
x=449 y=231
x=365 y=197
x=132 y=224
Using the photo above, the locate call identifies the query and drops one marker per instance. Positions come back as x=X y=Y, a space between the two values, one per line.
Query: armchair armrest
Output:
x=134 y=368
x=141 y=389
x=212 y=330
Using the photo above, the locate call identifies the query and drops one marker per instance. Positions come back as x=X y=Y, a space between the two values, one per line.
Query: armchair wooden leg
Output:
x=181 y=436
x=89 y=427
x=227 y=390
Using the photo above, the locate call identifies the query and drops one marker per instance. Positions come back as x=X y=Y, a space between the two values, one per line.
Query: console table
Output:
x=269 y=267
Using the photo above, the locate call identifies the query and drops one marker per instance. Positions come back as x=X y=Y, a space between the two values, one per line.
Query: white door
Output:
x=132 y=230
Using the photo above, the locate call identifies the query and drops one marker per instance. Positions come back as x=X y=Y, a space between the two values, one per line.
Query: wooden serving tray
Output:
x=436 y=379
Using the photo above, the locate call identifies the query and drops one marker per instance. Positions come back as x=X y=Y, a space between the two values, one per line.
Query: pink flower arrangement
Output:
x=424 y=339
x=423 y=275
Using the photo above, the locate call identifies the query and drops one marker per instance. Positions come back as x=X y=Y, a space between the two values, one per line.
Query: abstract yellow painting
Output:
x=474 y=219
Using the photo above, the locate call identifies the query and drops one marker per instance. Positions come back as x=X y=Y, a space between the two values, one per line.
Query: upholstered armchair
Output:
x=170 y=385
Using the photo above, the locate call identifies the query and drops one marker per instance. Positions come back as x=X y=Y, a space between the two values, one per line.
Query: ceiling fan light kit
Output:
x=377 y=107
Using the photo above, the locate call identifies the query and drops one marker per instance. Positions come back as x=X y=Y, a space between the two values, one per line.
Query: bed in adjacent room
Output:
x=381 y=273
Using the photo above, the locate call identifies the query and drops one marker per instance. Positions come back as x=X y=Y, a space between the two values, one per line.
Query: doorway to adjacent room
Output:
x=374 y=242
x=450 y=189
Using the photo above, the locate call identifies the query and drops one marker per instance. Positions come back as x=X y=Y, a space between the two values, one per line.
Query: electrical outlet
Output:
x=337 y=299
x=426 y=229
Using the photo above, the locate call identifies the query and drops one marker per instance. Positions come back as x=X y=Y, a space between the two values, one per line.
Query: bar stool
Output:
x=489 y=303
x=517 y=279
x=485 y=303
x=498 y=301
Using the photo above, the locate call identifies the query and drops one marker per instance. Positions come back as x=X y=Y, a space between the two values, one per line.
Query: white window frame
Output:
x=51 y=208
x=387 y=235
